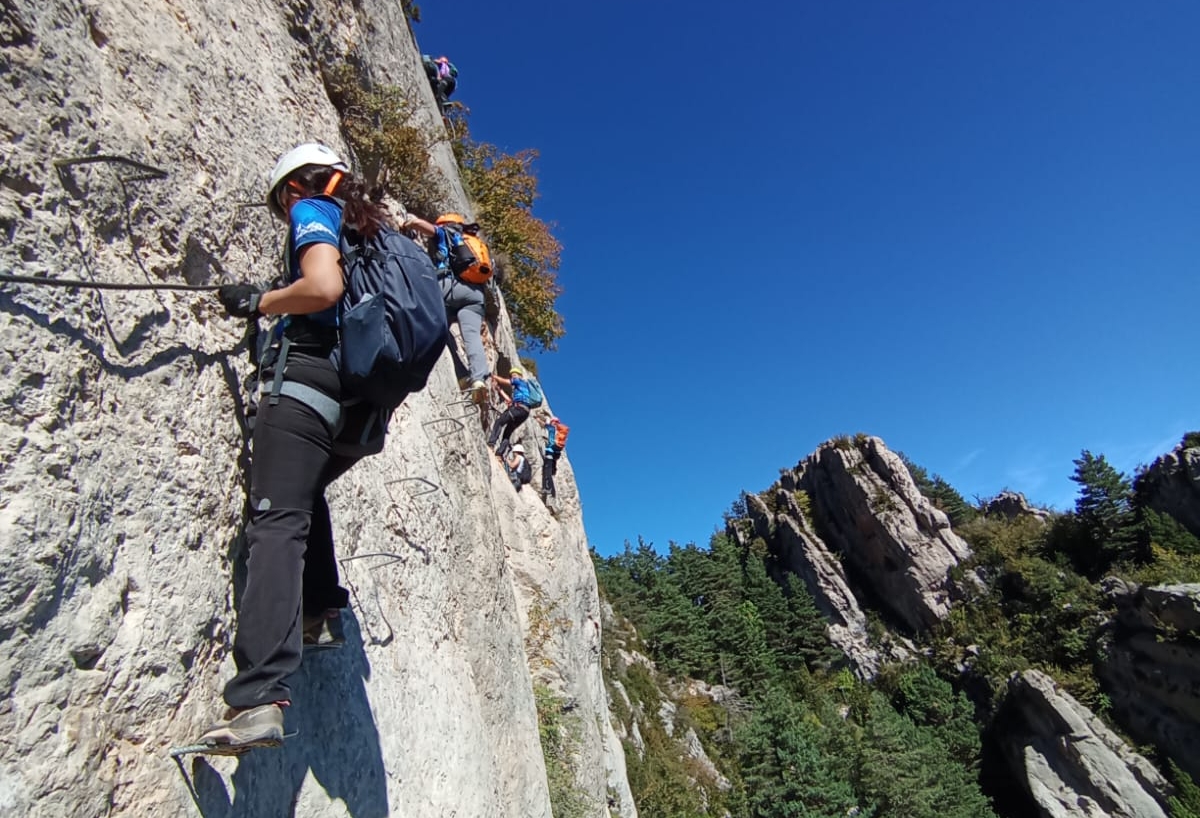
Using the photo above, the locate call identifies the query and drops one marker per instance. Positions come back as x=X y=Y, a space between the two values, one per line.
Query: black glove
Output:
x=240 y=300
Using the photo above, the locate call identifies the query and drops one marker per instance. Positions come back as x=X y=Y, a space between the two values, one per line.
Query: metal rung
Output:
x=391 y=557
x=145 y=173
x=432 y=486
x=458 y=424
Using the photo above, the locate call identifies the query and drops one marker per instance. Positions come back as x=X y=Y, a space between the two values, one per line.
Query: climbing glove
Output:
x=240 y=300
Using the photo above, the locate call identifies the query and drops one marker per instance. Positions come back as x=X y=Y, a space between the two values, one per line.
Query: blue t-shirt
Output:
x=520 y=389
x=313 y=221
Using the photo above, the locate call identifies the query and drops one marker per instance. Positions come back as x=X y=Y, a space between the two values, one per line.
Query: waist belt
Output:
x=329 y=409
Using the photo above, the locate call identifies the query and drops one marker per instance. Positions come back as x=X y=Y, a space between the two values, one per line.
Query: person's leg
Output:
x=324 y=597
x=461 y=372
x=321 y=589
x=549 y=467
x=498 y=426
x=465 y=303
x=291 y=453
x=516 y=414
x=470 y=321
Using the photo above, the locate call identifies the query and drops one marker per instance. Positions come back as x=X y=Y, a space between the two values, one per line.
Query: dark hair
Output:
x=363 y=212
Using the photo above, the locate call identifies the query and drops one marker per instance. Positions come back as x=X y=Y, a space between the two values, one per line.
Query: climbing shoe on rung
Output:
x=479 y=392
x=260 y=726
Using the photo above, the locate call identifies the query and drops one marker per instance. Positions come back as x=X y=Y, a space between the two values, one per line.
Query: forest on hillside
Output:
x=792 y=732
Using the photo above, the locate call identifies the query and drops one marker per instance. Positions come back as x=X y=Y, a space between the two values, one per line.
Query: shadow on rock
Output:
x=335 y=739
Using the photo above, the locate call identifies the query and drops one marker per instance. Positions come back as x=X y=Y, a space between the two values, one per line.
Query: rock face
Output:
x=1172 y=486
x=868 y=509
x=1151 y=669
x=123 y=483
x=805 y=554
x=1012 y=505
x=1070 y=762
x=636 y=718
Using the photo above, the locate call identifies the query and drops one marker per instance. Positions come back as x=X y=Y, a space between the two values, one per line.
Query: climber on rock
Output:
x=556 y=440
x=443 y=78
x=526 y=395
x=292 y=582
x=518 y=468
x=465 y=300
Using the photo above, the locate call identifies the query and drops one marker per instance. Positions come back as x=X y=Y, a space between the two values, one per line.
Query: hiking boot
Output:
x=479 y=391
x=240 y=730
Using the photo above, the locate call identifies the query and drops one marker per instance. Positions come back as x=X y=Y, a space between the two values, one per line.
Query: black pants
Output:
x=291 y=565
x=509 y=420
x=549 y=467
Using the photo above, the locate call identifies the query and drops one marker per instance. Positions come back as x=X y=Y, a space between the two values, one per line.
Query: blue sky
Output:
x=971 y=229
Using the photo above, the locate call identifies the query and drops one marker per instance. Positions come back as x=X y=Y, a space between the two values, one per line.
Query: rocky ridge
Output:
x=136 y=141
x=877 y=536
x=867 y=507
x=1070 y=762
x=1171 y=485
x=1012 y=505
x=1151 y=667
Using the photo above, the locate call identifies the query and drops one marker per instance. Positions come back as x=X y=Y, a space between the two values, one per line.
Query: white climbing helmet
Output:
x=310 y=153
x=518 y=449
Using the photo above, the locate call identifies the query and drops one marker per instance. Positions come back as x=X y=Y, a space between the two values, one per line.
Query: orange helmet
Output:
x=451 y=218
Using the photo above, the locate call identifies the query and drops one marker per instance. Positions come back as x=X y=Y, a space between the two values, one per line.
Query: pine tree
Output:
x=1104 y=515
x=786 y=769
x=938 y=491
x=929 y=701
x=1186 y=801
x=908 y=773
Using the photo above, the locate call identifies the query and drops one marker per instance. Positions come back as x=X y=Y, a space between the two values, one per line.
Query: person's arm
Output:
x=420 y=225
x=318 y=288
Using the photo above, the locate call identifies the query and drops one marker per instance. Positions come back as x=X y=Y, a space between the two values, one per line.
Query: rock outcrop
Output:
x=867 y=509
x=1151 y=669
x=136 y=140
x=802 y=552
x=1071 y=764
x=1171 y=485
x=1012 y=505
x=647 y=711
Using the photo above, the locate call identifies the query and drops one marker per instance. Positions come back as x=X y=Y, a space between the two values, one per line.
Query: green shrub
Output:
x=560 y=736
x=504 y=187
x=378 y=124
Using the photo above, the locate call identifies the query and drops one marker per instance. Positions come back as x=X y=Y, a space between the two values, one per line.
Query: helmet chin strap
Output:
x=334 y=181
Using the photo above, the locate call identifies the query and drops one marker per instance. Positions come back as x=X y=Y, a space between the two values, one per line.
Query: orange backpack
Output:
x=469 y=258
x=560 y=434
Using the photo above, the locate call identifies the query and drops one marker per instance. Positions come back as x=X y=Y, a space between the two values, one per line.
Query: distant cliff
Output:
x=136 y=142
x=965 y=665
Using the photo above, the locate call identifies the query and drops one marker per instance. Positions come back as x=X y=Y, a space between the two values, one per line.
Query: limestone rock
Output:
x=1151 y=668
x=1171 y=485
x=695 y=751
x=1012 y=505
x=805 y=554
x=1071 y=764
x=868 y=510
x=123 y=481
